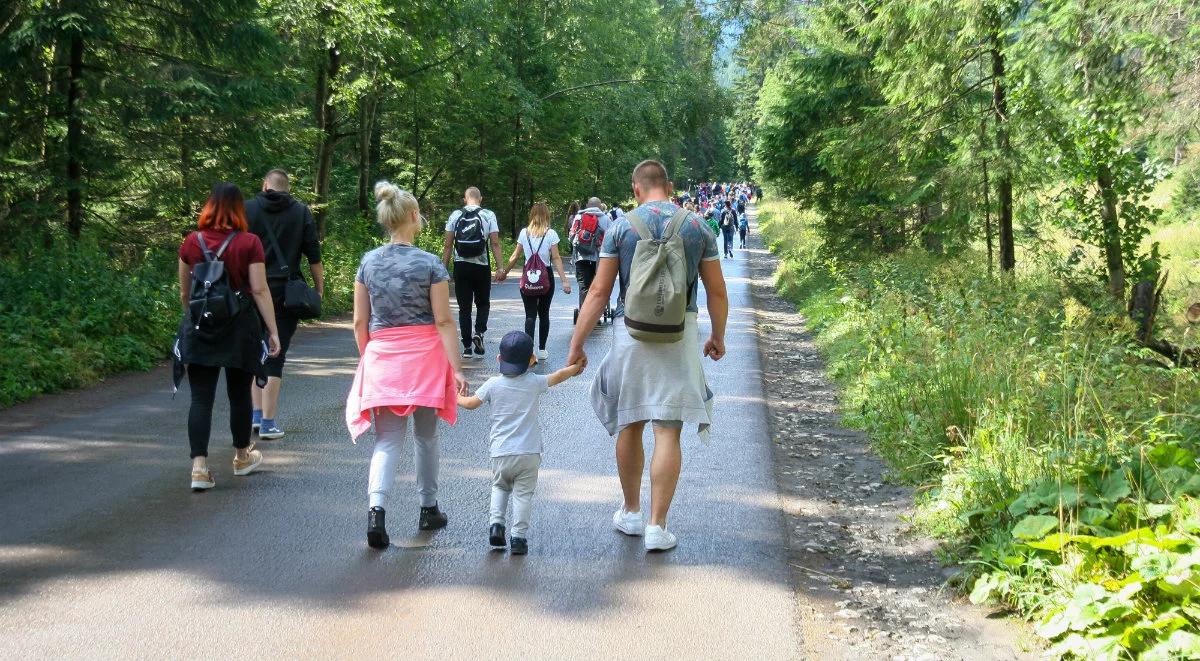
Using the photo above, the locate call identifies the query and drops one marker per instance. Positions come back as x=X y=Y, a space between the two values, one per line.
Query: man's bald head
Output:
x=472 y=196
x=277 y=180
x=593 y=203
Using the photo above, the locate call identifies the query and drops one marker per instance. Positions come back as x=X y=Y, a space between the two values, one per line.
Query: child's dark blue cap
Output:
x=516 y=348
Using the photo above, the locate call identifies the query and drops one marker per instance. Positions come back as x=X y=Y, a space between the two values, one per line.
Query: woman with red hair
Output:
x=225 y=334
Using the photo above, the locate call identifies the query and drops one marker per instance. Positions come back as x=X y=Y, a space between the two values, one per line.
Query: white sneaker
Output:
x=630 y=523
x=542 y=354
x=658 y=539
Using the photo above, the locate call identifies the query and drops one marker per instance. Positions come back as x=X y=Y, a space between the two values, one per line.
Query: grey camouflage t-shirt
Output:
x=398 y=277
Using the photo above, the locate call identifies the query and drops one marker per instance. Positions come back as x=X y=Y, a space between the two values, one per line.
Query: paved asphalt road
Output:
x=105 y=552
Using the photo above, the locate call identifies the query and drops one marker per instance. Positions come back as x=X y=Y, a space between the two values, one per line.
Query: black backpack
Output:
x=468 y=233
x=212 y=302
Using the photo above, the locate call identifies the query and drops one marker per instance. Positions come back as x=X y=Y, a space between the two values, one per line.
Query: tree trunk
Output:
x=75 y=141
x=416 y=149
x=185 y=165
x=1112 y=233
x=516 y=177
x=987 y=216
x=327 y=123
x=366 y=131
x=1008 y=253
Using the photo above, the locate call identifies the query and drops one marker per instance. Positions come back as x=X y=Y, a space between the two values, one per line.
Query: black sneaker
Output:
x=496 y=536
x=518 y=546
x=467 y=353
x=478 y=342
x=377 y=537
x=432 y=518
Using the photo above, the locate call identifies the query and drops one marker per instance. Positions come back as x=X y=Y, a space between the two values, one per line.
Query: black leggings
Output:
x=538 y=308
x=585 y=272
x=203 y=382
x=472 y=283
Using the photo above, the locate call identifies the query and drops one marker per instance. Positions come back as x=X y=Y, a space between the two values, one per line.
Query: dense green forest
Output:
x=117 y=116
x=988 y=213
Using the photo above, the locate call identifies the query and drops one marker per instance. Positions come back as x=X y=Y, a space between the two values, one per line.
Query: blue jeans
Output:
x=727 y=232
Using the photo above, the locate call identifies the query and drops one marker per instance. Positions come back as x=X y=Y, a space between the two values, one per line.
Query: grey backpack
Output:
x=657 y=296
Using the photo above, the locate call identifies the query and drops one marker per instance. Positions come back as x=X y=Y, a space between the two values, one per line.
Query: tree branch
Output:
x=602 y=83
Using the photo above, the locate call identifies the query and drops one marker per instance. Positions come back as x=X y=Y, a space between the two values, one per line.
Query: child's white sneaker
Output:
x=630 y=523
x=658 y=539
x=543 y=355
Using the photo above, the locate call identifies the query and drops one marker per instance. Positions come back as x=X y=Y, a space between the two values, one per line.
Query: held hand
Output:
x=273 y=345
x=576 y=356
x=460 y=383
x=501 y=275
x=566 y=286
x=714 y=348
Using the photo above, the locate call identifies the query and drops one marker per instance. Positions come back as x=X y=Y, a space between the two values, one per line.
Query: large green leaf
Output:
x=1034 y=526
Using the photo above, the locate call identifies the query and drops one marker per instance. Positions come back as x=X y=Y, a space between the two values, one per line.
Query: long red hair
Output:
x=224 y=210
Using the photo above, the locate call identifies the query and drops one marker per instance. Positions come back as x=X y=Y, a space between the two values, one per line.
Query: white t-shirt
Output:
x=529 y=244
x=490 y=226
x=513 y=401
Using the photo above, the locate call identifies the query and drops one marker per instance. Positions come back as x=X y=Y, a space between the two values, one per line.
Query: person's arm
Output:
x=362 y=316
x=564 y=374
x=317 y=269
x=494 y=238
x=517 y=252
x=185 y=283
x=558 y=266
x=470 y=403
x=266 y=308
x=718 y=307
x=439 y=298
x=446 y=248
x=593 y=307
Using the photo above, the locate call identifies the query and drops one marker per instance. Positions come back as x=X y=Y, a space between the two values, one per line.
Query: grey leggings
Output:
x=390 y=430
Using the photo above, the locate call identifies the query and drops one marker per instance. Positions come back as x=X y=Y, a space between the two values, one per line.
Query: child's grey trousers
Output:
x=516 y=476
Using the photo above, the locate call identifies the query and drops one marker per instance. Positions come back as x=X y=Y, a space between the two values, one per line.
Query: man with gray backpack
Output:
x=653 y=373
x=473 y=238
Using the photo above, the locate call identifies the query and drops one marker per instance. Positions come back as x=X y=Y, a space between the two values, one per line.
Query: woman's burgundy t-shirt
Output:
x=244 y=250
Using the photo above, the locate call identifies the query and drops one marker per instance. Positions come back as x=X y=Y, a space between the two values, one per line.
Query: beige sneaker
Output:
x=202 y=480
x=246 y=466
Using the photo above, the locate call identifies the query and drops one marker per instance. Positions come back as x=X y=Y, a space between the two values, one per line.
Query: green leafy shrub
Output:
x=72 y=315
x=1054 y=461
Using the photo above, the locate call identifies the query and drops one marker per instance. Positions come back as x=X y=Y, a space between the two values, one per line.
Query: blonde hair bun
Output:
x=386 y=191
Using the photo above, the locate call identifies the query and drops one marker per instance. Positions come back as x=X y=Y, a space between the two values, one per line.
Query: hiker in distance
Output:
x=586 y=234
x=226 y=305
x=287 y=231
x=539 y=244
x=653 y=372
x=409 y=365
x=473 y=238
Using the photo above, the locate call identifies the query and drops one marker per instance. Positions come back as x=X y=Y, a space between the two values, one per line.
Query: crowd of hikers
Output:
x=243 y=295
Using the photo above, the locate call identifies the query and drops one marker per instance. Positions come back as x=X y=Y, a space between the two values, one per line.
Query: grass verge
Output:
x=1052 y=458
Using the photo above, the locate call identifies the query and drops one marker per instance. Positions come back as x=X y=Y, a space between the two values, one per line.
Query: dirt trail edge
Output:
x=868 y=586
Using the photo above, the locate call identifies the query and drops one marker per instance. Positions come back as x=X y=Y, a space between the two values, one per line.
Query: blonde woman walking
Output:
x=539 y=244
x=409 y=366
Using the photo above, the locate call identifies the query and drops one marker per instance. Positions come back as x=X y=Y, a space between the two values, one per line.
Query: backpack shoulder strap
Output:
x=274 y=241
x=672 y=227
x=639 y=226
x=225 y=243
x=208 y=255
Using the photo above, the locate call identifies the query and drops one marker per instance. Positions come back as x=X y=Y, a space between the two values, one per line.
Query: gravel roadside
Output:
x=867 y=585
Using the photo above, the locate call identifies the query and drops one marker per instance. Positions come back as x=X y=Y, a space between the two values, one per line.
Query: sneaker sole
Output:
x=660 y=547
x=203 y=486
x=247 y=470
x=271 y=436
x=632 y=532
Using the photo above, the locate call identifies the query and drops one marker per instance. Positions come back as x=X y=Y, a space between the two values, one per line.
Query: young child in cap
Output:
x=516 y=436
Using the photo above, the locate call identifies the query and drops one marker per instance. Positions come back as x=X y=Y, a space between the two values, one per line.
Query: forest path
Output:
x=104 y=552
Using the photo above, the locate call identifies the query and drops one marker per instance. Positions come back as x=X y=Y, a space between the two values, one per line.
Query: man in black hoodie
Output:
x=275 y=212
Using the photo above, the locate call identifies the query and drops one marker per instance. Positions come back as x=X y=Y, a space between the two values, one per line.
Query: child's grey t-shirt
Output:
x=513 y=401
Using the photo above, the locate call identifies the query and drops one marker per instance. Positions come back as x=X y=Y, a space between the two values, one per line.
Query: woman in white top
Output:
x=538 y=239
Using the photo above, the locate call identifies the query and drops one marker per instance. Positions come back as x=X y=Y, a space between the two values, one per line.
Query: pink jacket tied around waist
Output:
x=402 y=368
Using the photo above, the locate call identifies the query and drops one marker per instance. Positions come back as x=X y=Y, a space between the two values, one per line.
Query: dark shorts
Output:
x=287 y=325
